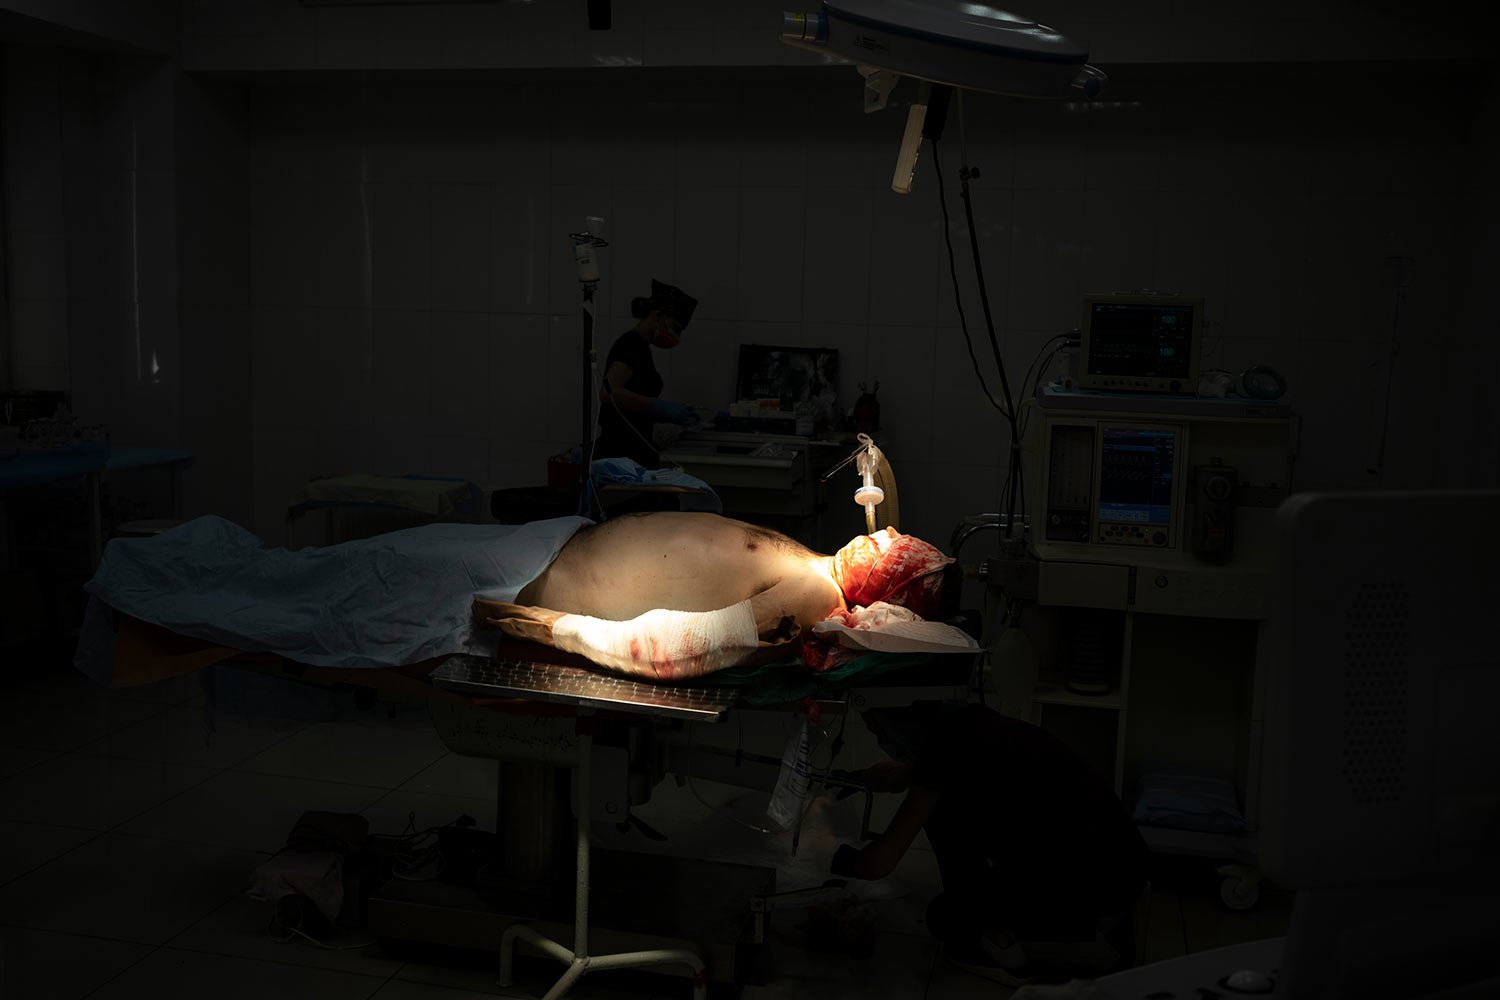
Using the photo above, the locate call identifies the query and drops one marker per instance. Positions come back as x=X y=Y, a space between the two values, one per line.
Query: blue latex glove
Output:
x=667 y=411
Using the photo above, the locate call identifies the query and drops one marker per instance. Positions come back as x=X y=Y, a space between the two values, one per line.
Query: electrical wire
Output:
x=1029 y=402
x=704 y=802
x=1032 y=368
x=819 y=776
x=298 y=932
x=1218 y=336
x=608 y=393
x=595 y=503
x=1011 y=485
x=958 y=303
x=419 y=849
x=816 y=776
x=984 y=295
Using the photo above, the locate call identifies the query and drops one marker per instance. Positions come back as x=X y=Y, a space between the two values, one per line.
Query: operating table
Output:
x=540 y=711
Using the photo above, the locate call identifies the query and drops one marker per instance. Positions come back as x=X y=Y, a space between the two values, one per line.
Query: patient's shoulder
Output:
x=803 y=592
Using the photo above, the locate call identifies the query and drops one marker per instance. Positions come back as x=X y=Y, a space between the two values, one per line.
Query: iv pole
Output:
x=584 y=246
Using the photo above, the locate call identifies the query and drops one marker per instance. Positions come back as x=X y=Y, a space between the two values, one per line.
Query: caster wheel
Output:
x=1239 y=893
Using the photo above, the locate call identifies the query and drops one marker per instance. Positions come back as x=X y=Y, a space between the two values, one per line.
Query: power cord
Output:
x=1008 y=500
x=608 y=393
x=297 y=932
x=963 y=323
x=416 y=851
x=820 y=776
x=419 y=850
x=692 y=728
x=1033 y=375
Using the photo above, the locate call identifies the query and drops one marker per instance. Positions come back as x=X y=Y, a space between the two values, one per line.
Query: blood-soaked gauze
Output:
x=662 y=645
x=891 y=567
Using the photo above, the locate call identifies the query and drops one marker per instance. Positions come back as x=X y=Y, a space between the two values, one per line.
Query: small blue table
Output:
x=89 y=462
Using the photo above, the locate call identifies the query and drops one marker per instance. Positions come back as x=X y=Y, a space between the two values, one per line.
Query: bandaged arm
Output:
x=662 y=644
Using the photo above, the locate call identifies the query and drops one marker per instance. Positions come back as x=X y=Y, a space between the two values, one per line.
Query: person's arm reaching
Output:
x=667 y=411
x=613 y=390
x=880 y=857
x=661 y=643
x=658 y=644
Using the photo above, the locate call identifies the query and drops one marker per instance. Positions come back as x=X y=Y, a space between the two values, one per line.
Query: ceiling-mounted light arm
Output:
x=878 y=86
x=1091 y=81
x=944 y=45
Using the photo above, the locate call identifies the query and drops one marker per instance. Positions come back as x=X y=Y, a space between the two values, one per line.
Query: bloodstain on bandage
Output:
x=886 y=566
x=660 y=643
x=891 y=567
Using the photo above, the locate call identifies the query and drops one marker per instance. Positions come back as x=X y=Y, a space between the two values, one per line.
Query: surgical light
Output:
x=967 y=45
x=945 y=44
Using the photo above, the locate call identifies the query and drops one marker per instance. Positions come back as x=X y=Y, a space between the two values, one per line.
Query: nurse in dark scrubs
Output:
x=631 y=400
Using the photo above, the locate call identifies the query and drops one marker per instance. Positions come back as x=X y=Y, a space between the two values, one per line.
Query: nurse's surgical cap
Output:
x=891 y=567
x=673 y=302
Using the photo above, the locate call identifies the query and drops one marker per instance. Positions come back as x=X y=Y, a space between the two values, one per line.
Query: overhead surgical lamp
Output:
x=944 y=44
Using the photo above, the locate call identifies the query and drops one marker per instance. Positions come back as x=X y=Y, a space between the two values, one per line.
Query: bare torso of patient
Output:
x=685 y=561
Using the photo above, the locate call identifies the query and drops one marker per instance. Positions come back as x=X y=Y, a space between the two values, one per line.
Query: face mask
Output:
x=666 y=336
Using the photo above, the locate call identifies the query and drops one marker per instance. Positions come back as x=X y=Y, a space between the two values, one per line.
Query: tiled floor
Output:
x=126 y=845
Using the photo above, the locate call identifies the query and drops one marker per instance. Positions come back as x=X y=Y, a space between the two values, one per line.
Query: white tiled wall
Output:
x=372 y=271
x=35 y=228
x=416 y=307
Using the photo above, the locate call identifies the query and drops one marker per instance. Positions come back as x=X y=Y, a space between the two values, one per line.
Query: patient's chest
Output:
x=623 y=573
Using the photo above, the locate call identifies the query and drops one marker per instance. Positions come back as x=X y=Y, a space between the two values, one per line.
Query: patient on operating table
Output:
x=668 y=595
x=662 y=595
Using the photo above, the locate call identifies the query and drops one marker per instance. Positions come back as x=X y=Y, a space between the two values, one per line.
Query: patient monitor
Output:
x=1141 y=343
x=1181 y=489
x=1114 y=482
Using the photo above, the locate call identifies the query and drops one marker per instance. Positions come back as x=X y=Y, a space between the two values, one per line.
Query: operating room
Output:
x=372 y=282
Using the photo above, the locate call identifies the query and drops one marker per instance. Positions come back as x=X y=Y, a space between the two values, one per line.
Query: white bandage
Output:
x=662 y=644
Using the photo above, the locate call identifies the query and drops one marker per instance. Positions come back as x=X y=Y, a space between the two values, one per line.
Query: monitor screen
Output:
x=1141 y=339
x=791 y=374
x=1135 y=475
